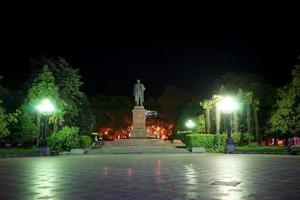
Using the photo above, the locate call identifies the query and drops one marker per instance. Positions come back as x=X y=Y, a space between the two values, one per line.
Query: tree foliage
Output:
x=285 y=118
x=67 y=79
x=3 y=123
x=112 y=111
x=172 y=102
x=42 y=87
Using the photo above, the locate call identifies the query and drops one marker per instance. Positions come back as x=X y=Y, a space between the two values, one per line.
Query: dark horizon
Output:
x=111 y=63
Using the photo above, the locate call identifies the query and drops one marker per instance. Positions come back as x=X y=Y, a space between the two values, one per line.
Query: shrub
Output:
x=85 y=141
x=246 y=138
x=253 y=144
x=65 y=139
x=199 y=140
x=236 y=137
x=181 y=136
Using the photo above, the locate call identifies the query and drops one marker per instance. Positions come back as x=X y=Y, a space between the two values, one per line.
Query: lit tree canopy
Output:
x=285 y=118
x=3 y=122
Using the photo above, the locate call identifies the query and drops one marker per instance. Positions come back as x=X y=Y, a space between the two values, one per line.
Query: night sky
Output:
x=111 y=61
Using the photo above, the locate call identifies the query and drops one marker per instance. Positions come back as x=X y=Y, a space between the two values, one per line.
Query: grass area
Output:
x=258 y=150
x=262 y=149
x=7 y=151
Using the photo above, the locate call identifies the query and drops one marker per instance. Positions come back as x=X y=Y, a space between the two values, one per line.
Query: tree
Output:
x=206 y=104
x=191 y=111
x=43 y=86
x=69 y=83
x=85 y=120
x=112 y=112
x=172 y=102
x=3 y=123
x=285 y=118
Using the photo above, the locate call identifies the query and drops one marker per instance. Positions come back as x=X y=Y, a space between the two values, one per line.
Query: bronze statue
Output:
x=138 y=93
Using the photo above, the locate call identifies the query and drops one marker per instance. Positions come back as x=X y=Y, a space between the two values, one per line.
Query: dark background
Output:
x=110 y=61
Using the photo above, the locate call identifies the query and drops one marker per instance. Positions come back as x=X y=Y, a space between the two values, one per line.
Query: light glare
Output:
x=227 y=104
x=45 y=106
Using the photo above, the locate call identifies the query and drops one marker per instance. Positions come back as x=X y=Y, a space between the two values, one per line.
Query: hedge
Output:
x=209 y=140
x=85 y=141
x=199 y=140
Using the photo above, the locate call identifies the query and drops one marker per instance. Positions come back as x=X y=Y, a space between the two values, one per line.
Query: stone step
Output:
x=139 y=142
x=138 y=150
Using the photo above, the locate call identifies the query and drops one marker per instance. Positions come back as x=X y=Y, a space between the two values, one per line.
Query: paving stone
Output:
x=151 y=176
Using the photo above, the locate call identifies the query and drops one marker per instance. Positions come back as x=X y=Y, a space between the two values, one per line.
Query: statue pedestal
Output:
x=139 y=123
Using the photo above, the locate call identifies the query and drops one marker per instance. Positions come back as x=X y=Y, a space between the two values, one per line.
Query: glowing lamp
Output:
x=227 y=104
x=45 y=107
x=190 y=124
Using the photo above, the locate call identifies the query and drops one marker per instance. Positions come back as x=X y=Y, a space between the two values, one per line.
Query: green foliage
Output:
x=42 y=87
x=67 y=79
x=236 y=137
x=85 y=141
x=261 y=149
x=246 y=138
x=191 y=111
x=180 y=136
x=253 y=144
x=112 y=111
x=85 y=119
x=24 y=130
x=285 y=118
x=209 y=140
x=201 y=124
x=199 y=140
x=3 y=123
x=172 y=102
x=65 y=139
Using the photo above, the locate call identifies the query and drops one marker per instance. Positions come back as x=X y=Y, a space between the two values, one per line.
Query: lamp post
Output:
x=190 y=124
x=44 y=108
x=228 y=105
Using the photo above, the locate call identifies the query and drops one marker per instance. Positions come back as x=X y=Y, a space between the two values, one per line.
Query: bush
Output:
x=65 y=139
x=85 y=141
x=209 y=140
x=181 y=136
x=199 y=140
x=253 y=144
x=246 y=138
x=236 y=137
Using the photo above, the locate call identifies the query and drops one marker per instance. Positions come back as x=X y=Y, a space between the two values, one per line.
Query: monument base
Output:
x=139 y=123
x=139 y=133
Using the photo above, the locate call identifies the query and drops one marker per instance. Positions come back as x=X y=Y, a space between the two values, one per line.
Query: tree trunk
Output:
x=218 y=125
x=208 y=128
x=235 y=122
x=256 y=125
x=38 y=124
x=248 y=119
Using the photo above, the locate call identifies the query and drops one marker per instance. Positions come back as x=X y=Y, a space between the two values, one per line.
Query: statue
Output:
x=138 y=93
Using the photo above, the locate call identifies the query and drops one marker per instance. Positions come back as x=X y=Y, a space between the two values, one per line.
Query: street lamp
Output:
x=190 y=124
x=228 y=105
x=45 y=107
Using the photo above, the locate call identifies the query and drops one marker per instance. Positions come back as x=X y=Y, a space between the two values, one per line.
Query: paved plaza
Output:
x=151 y=176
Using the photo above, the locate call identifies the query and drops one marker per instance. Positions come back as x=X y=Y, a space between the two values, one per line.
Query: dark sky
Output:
x=111 y=61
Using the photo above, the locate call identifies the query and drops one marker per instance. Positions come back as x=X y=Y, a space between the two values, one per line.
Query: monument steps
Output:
x=139 y=146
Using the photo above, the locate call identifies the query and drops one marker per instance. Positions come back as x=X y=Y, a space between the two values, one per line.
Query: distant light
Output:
x=190 y=124
x=45 y=107
x=227 y=104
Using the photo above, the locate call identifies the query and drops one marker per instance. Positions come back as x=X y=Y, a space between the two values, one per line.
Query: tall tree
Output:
x=285 y=118
x=112 y=111
x=206 y=106
x=43 y=86
x=3 y=123
x=69 y=84
x=172 y=102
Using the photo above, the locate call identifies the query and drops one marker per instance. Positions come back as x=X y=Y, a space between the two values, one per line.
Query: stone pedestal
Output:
x=139 y=123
